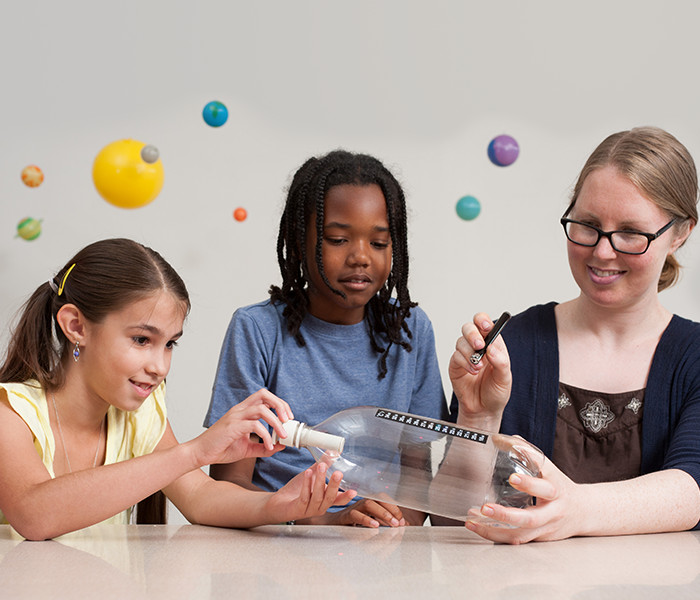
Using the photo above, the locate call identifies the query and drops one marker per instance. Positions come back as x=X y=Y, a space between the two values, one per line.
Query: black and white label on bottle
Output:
x=436 y=426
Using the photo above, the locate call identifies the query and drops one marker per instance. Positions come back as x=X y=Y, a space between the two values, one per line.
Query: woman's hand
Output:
x=307 y=495
x=228 y=440
x=482 y=389
x=558 y=514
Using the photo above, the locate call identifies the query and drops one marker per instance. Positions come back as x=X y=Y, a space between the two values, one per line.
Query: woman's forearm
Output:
x=490 y=422
x=663 y=501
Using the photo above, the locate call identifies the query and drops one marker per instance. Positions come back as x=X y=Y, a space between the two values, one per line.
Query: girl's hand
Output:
x=307 y=495
x=228 y=440
x=557 y=515
x=482 y=389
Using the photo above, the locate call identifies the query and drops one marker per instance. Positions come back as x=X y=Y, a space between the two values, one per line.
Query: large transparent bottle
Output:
x=428 y=465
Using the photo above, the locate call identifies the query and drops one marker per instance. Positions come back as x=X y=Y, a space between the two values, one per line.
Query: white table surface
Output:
x=279 y=562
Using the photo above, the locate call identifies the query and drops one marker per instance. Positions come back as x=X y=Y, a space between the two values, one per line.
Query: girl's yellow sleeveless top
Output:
x=129 y=434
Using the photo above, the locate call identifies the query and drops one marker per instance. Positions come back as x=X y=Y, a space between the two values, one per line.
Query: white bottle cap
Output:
x=293 y=429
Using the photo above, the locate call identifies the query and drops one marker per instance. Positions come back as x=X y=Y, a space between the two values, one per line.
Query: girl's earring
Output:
x=76 y=352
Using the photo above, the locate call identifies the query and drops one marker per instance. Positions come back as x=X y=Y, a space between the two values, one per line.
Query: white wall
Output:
x=423 y=86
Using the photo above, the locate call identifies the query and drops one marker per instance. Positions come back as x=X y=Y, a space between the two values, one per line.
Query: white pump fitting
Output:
x=300 y=435
x=325 y=441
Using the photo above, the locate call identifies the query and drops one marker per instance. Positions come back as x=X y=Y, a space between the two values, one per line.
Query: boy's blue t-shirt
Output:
x=336 y=369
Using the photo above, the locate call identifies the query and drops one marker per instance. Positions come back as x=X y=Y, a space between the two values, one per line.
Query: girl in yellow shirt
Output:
x=83 y=428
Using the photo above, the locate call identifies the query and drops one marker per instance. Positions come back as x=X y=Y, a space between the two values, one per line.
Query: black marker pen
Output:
x=498 y=326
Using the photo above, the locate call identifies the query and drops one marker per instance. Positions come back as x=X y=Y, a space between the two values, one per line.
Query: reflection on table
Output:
x=189 y=561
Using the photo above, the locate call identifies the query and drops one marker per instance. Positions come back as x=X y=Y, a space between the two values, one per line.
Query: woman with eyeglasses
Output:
x=606 y=384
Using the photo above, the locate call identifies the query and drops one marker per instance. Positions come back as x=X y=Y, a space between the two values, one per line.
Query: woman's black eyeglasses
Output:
x=626 y=242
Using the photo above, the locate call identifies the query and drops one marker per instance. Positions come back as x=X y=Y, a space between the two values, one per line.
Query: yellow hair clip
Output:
x=60 y=290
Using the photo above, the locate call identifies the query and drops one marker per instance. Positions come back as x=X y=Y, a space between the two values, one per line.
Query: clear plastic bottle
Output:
x=428 y=465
